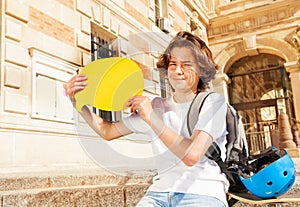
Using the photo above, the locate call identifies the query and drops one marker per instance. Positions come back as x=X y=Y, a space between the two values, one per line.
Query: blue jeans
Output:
x=173 y=199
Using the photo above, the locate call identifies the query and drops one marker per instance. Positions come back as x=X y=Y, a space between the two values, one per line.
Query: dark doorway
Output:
x=260 y=89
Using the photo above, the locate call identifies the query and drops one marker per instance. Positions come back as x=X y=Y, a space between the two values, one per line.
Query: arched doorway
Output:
x=260 y=89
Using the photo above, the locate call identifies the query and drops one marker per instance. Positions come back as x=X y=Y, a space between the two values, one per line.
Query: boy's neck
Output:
x=183 y=97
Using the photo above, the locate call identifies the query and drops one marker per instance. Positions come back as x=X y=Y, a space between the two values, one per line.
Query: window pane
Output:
x=103 y=47
x=64 y=109
x=45 y=96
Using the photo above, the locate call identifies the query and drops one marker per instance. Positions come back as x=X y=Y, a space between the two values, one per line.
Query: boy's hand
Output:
x=75 y=84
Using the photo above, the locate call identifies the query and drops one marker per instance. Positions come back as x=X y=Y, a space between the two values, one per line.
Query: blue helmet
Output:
x=274 y=179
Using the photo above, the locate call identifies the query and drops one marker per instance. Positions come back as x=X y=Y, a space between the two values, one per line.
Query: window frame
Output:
x=106 y=43
x=56 y=69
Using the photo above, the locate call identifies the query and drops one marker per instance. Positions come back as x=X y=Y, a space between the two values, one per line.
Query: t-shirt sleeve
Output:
x=212 y=117
x=137 y=125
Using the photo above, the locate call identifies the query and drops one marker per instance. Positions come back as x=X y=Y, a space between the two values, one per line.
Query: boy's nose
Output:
x=179 y=69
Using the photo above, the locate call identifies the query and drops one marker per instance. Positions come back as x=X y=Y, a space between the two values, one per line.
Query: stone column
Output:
x=220 y=84
x=294 y=69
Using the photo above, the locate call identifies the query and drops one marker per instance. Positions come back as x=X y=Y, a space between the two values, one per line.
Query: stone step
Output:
x=82 y=186
x=89 y=196
x=68 y=177
x=71 y=187
x=96 y=195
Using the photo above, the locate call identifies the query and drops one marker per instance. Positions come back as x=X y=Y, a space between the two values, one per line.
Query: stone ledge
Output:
x=72 y=196
x=81 y=187
x=72 y=186
x=68 y=177
x=125 y=195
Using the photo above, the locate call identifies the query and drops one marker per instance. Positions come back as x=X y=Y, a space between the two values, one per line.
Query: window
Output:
x=157 y=9
x=103 y=46
x=48 y=99
x=160 y=10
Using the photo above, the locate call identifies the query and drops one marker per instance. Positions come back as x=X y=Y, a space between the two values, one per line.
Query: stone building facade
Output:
x=254 y=43
x=44 y=43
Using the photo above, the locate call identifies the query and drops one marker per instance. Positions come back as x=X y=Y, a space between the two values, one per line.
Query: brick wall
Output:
x=51 y=27
x=137 y=12
x=67 y=3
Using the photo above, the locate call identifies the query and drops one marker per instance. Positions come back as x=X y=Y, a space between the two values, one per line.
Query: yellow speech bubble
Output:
x=111 y=82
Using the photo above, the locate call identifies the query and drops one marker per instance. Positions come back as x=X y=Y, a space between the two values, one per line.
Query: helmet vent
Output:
x=285 y=173
x=269 y=183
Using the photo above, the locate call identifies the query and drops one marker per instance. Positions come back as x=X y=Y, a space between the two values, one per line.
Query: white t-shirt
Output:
x=204 y=178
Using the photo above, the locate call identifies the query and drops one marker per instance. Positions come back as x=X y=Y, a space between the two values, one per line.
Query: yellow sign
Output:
x=111 y=82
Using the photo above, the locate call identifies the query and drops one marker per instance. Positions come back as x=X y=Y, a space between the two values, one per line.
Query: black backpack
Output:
x=236 y=148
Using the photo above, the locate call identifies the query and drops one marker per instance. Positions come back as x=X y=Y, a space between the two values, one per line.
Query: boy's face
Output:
x=182 y=70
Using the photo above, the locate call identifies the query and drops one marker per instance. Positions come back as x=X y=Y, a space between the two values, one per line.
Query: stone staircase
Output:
x=72 y=187
x=83 y=186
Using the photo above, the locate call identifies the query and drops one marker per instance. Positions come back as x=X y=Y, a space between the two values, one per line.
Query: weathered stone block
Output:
x=133 y=193
x=15 y=102
x=85 y=25
x=96 y=13
x=84 y=7
x=106 y=17
x=16 y=54
x=83 y=41
x=21 y=183
x=17 y=9
x=13 y=30
x=80 y=196
x=13 y=76
x=85 y=180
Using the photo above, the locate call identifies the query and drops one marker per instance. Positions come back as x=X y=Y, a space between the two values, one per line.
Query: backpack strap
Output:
x=195 y=109
x=213 y=152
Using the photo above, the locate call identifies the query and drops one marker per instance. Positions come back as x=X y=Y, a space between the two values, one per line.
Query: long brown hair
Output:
x=206 y=65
